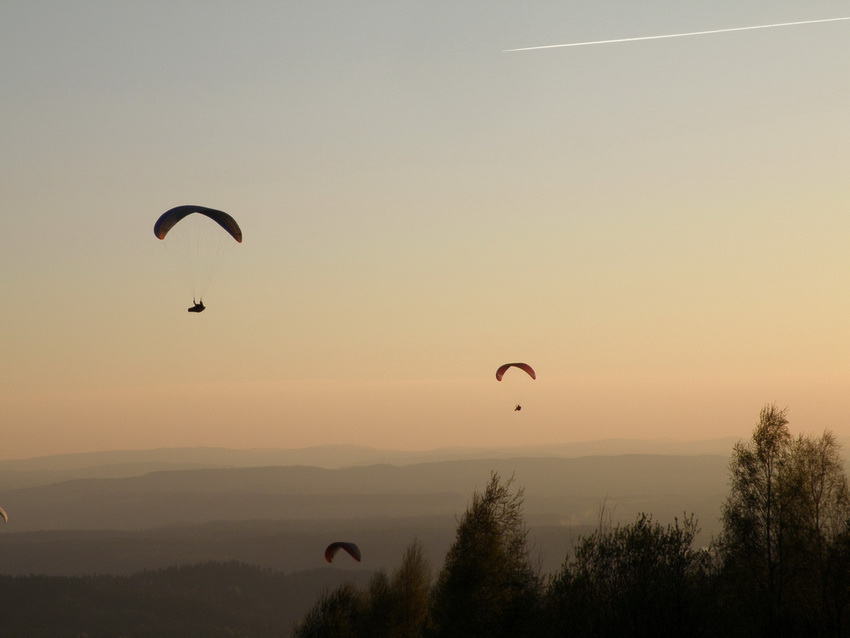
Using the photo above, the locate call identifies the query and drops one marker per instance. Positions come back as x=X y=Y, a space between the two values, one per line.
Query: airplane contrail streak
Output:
x=676 y=35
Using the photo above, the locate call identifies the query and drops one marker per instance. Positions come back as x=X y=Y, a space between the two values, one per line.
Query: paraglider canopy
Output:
x=333 y=548
x=4 y=515
x=522 y=366
x=169 y=218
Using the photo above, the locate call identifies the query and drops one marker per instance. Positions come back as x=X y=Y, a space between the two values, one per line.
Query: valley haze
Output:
x=127 y=510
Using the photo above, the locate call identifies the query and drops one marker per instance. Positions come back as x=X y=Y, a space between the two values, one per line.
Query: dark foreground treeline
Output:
x=780 y=567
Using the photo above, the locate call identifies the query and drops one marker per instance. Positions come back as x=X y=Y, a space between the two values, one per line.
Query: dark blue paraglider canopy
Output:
x=170 y=217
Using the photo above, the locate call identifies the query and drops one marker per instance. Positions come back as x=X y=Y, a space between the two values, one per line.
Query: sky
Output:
x=658 y=227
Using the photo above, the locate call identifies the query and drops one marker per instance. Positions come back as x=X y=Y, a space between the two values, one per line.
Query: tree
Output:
x=835 y=585
x=641 y=579
x=487 y=586
x=784 y=525
x=823 y=484
x=823 y=510
x=756 y=515
x=338 y=613
x=411 y=583
x=394 y=607
x=398 y=606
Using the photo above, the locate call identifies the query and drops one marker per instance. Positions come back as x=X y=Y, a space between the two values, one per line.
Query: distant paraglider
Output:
x=197 y=244
x=500 y=372
x=4 y=515
x=333 y=548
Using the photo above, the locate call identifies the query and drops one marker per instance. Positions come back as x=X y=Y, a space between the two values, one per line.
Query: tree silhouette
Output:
x=640 y=579
x=394 y=607
x=398 y=607
x=784 y=531
x=337 y=613
x=487 y=586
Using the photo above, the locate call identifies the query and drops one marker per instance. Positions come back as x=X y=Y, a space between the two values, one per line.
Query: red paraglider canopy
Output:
x=522 y=366
x=333 y=548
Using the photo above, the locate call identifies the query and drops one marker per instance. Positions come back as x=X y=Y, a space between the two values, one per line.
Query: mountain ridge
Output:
x=343 y=455
x=557 y=488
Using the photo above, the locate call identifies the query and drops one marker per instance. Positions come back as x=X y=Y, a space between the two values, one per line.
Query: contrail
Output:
x=677 y=35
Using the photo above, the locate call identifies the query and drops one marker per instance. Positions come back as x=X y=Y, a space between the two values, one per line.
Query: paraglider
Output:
x=197 y=237
x=500 y=372
x=4 y=515
x=333 y=548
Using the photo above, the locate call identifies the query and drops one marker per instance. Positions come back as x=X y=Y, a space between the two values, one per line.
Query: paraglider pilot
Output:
x=517 y=408
x=198 y=307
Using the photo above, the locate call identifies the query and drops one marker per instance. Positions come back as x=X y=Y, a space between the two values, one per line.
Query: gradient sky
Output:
x=659 y=227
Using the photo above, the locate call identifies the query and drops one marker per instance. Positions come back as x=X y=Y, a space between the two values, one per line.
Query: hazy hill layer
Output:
x=283 y=517
x=560 y=490
x=124 y=463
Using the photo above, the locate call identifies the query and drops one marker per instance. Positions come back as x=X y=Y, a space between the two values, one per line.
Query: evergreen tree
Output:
x=487 y=586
